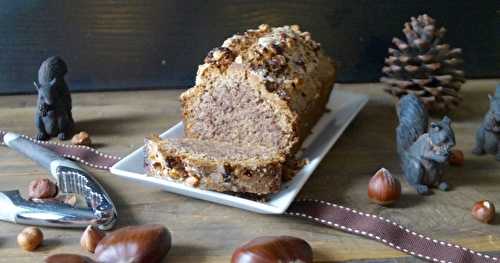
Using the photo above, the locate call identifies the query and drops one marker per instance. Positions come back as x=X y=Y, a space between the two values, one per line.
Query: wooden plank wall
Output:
x=157 y=44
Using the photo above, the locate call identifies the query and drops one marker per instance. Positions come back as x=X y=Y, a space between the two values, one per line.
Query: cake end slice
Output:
x=217 y=166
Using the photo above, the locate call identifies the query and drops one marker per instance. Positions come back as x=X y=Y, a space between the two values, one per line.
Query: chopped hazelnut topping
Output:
x=192 y=181
x=238 y=60
x=217 y=54
x=306 y=35
x=273 y=54
x=264 y=28
x=295 y=28
x=176 y=173
x=221 y=56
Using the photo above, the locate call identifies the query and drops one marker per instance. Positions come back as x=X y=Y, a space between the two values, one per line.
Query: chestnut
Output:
x=456 y=158
x=384 y=188
x=484 y=211
x=67 y=258
x=267 y=249
x=138 y=244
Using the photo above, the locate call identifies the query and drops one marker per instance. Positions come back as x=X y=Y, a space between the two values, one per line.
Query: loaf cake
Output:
x=255 y=100
x=217 y=166
x=268 y=87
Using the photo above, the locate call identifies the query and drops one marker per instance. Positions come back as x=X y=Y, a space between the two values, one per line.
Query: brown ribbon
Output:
x=346 y=219
x=385 y=231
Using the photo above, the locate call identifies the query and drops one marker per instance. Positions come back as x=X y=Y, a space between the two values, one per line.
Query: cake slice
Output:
x=217 y=166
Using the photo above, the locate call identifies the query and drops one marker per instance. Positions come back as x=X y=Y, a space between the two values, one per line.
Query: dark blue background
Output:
x=158 y=44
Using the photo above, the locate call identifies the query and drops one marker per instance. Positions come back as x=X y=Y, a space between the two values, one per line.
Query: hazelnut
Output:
x=274 y=249
x=42 y=188
x=30 y=238
x=456 y=158
x=384 y=188
x=67 y=258
x=81 y=138
x=484 y=211
x=138 y=244
x=90 y=238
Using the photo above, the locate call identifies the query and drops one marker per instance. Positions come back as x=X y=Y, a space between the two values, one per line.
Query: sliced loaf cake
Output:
x=255 y=100
x=217 y=166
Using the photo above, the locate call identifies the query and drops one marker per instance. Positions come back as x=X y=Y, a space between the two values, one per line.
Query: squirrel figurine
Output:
x=53 y=115
x=488 y=134
x=423 y=150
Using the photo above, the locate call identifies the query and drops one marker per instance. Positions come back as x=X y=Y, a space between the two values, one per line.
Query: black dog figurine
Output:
x=423 y=150
x=53 y=116
x=488 y=134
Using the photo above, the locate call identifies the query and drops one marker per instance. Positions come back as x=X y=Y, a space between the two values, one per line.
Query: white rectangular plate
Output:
x=343 y=107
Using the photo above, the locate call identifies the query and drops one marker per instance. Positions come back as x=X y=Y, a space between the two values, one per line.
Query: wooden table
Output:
x=206 y=232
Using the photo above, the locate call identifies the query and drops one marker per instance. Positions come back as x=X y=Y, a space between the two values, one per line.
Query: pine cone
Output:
x=424 y=66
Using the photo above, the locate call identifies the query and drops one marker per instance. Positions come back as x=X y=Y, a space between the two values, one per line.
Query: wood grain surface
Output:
x=207 y=232
x=138 y=44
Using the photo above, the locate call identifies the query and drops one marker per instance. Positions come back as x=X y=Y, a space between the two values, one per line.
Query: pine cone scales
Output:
x=424 y=66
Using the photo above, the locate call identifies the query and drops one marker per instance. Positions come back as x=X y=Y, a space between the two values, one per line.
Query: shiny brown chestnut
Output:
x=269 y=249
x=484 y=211
x=456 y=158
x=68 y=258
x=384 y=188
x=137 y=244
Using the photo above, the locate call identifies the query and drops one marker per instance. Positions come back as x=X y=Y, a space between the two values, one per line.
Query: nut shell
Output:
x=138 y=244
x=69 y=199
x=42 y=188
x=384 y=188
x=456 y=158
x=269 y=249
x=484 y=211
x=81 y=138
x=30 y=238
x=90 y=238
